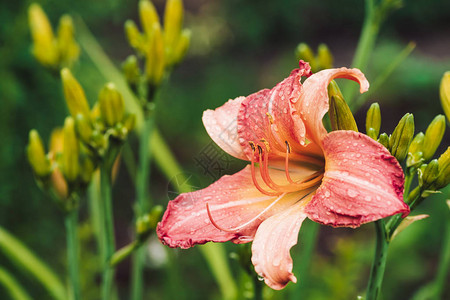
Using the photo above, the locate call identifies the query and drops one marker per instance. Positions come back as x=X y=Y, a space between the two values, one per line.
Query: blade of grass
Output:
x=15 y=290
x=28 y=262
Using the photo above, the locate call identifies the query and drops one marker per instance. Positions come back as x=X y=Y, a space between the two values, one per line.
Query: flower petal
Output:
x=270 y=115
x=313 y=102
x=363 y=182
x=221 y=125
x=235 y=205
x=273 y=241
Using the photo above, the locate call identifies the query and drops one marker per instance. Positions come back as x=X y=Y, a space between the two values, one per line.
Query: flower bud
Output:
x=147 y=223
x=443 y=179
x=445 y=94
x=56 y=142
x=340 y=114
x=324 y=57
x=149 y=16
x=383 y=139
x=73 y=92
x=155 y=62
x=129 y=122
x=173 y=22
x=71 y=151
x=182 y=46
x=401 y=137
x=68 y=48
x=373 y=121
x=433 y=136
x=415 y=154
x=304 y=52
x=111 y=105
x=87 y=169
x=428 y=173
x=135 y=38
x=36 y=155
x=44 y=46
x=83 y=128
x=131 y=71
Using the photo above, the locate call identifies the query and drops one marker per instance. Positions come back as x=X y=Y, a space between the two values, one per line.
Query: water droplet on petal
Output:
x=327 y=194
x=352 y=193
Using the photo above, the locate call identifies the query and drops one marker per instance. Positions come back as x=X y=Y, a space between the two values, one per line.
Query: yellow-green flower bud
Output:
x=173 y=22
x=68 y=48
x=131 y=71
x=401 y=137
x=56 y=141
x=443 y=178
x=445 y=94
x=433 y=137
x=373 y=121
x=111 y=105
x=147 y=223
x=182 y=46
x=155 y=60
x=44 y=46
x=83 y=128
x=324 y=57
x=415 y=154
x=134 y=36
x=383 y=139
x=73 y=92
x=87 y=169
x=71 y=151
x=428 y=173
x=341 y=116
x=149 y=16
x=36 y=155
x=129 y=122
x=304 y=52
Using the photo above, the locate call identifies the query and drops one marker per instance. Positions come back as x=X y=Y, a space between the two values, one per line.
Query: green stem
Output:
x=257 y=288
x=13 y=288
x=71 y=221
x=394 y=221
x=309 y=239
x=379 y=262
x=143 y=203
x=123 y=253
x=108 y=234
x=364 y=49
x=444 y=263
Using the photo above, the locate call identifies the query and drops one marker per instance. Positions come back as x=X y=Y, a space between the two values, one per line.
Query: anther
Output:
x=288 y=147
x=270 y=117
x=252 y=145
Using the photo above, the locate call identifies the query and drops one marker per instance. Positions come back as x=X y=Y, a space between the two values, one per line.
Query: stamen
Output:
x=255 y=182
x=236 y=229
x=293 y=186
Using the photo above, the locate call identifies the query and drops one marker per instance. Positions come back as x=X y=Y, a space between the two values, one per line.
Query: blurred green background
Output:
x=238 y=47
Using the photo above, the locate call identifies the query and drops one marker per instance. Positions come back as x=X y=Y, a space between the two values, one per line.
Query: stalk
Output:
x=108 y=234
x=379 y=262
x=13 y=288
x=71 y=222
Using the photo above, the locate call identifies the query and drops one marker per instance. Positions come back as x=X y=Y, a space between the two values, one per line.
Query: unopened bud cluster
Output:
x=53 y=52
x=320 y=61
x=417 y=149
x=106 y=123
x=161 y=48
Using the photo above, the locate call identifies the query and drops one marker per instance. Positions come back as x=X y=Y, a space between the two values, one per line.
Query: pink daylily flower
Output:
x=297 y=170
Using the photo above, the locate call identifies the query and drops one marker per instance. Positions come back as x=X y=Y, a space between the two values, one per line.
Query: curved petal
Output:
x=235 y=206
x=313 y=102
x=270 y=115
x=273 y=241
x=221 y=125
x=363 y=182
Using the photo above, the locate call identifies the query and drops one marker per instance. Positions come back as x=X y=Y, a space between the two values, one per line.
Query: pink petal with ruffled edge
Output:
x=234 y=202
x=221 y=125
x=313 y=102
x=273 y=241
x=363 y=182
x=254 y=121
